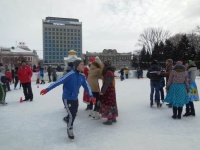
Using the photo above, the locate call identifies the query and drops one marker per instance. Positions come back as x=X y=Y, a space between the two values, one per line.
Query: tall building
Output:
x=118 y=59
x=61 y=35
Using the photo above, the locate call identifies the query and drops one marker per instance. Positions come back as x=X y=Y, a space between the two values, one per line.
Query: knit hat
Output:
x=155 y=62
x=1 y=64
x=107 y=63
x=191 y=63
x=169 y=61
x=92 y=59
x=76 y=63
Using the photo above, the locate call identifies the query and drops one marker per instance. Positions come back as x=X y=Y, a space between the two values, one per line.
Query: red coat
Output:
x=25 y=74
x=8 y=76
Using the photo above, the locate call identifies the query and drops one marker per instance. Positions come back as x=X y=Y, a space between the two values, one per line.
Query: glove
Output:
x=93 y=100
x=44 y=91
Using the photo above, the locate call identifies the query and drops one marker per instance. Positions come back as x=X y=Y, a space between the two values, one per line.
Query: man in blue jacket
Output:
x=72 y=82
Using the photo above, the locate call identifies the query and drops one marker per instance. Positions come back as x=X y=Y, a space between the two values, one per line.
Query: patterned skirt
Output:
x=193 y=95
x=177 y=95
x=108 y=104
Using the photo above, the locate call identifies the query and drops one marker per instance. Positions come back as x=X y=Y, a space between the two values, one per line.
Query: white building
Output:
x=13 y=56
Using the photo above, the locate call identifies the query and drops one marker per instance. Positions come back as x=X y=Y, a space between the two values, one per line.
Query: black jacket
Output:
x=152 y=75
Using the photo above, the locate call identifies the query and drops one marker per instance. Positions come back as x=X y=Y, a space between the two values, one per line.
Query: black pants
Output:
x=162 y=93
x=8 y=86
x=2 y=93
x=27 y=91
x=16 y=81
x=96 y=107
x=189 y=106
x=50 y=78
x=72 y=108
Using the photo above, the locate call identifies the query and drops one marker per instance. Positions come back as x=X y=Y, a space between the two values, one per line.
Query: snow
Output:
x=38 y=125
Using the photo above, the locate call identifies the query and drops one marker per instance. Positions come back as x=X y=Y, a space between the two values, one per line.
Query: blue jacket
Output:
x=72 y=82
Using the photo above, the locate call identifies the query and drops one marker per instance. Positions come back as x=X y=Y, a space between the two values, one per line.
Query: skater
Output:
x=154 y=82
x=162 y=85
x=8 y=79
x=69 y=68
x=16 y=78
x=121 y=73
x=42 y=75
x=13 y=75
x=126 y=72
x=86 y=98
x=72 y=82
x=169 y=68
x=54 y=75
x=49 y=70
x=93 y=77
x=24 y=75
x=139 y=73
x=177 y=89
x=2 y=85
x=108 y=104
x=193 y=94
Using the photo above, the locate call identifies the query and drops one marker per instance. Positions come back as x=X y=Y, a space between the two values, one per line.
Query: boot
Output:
x=192 y=112
x=174 y=112
x=90 y=113
x=187 y=113
x=158 y=104
x=151 y=103
x=114 y=120
x=96 y=115
x=179 y=112
x=108 y=122
x=70 y=133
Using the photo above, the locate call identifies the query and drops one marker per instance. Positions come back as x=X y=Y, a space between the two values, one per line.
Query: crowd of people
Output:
x=181 y=88
x=179 y=80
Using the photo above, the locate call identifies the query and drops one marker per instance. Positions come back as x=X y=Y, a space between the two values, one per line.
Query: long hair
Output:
x=108 y=68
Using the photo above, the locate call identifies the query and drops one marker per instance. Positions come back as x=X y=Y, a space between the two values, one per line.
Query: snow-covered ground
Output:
x=38 y=125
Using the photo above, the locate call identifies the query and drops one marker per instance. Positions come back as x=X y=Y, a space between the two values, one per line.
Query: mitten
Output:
x=93 y=100
x=44 y=91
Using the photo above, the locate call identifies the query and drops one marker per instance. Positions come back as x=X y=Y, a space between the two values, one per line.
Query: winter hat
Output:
x=92 y=59
x=155 y=62
x=107 y=63
x=1 y=64
x=98 y=60
x=169 y=61
x=191 y=63
x=179 y=63
x=76 y=63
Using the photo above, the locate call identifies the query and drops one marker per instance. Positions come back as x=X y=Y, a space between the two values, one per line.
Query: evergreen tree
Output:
x=155 y=52
x=183 y=49
x=168 y=50
x=160 y=53
x=143 y=58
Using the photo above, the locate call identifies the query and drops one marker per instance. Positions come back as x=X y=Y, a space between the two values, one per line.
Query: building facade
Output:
x=118 y=59
x=13 y=57
x=61 y=35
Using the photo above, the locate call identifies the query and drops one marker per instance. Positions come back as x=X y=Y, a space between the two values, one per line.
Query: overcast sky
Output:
x=107 y=24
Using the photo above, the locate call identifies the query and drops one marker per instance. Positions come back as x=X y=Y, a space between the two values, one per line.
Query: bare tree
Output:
x=150 y=36
x=176 y=38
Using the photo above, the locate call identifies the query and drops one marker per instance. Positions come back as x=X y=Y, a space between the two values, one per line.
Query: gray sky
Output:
x=114 y=24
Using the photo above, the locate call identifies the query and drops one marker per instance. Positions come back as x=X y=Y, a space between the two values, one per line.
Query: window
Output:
x=57 y=29
x=45 y=29
x=53 y=29
x=71 y=30
x=49 y=29
x=60 y=29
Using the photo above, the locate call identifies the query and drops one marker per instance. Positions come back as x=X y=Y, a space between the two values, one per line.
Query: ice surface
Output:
x=38 y=125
